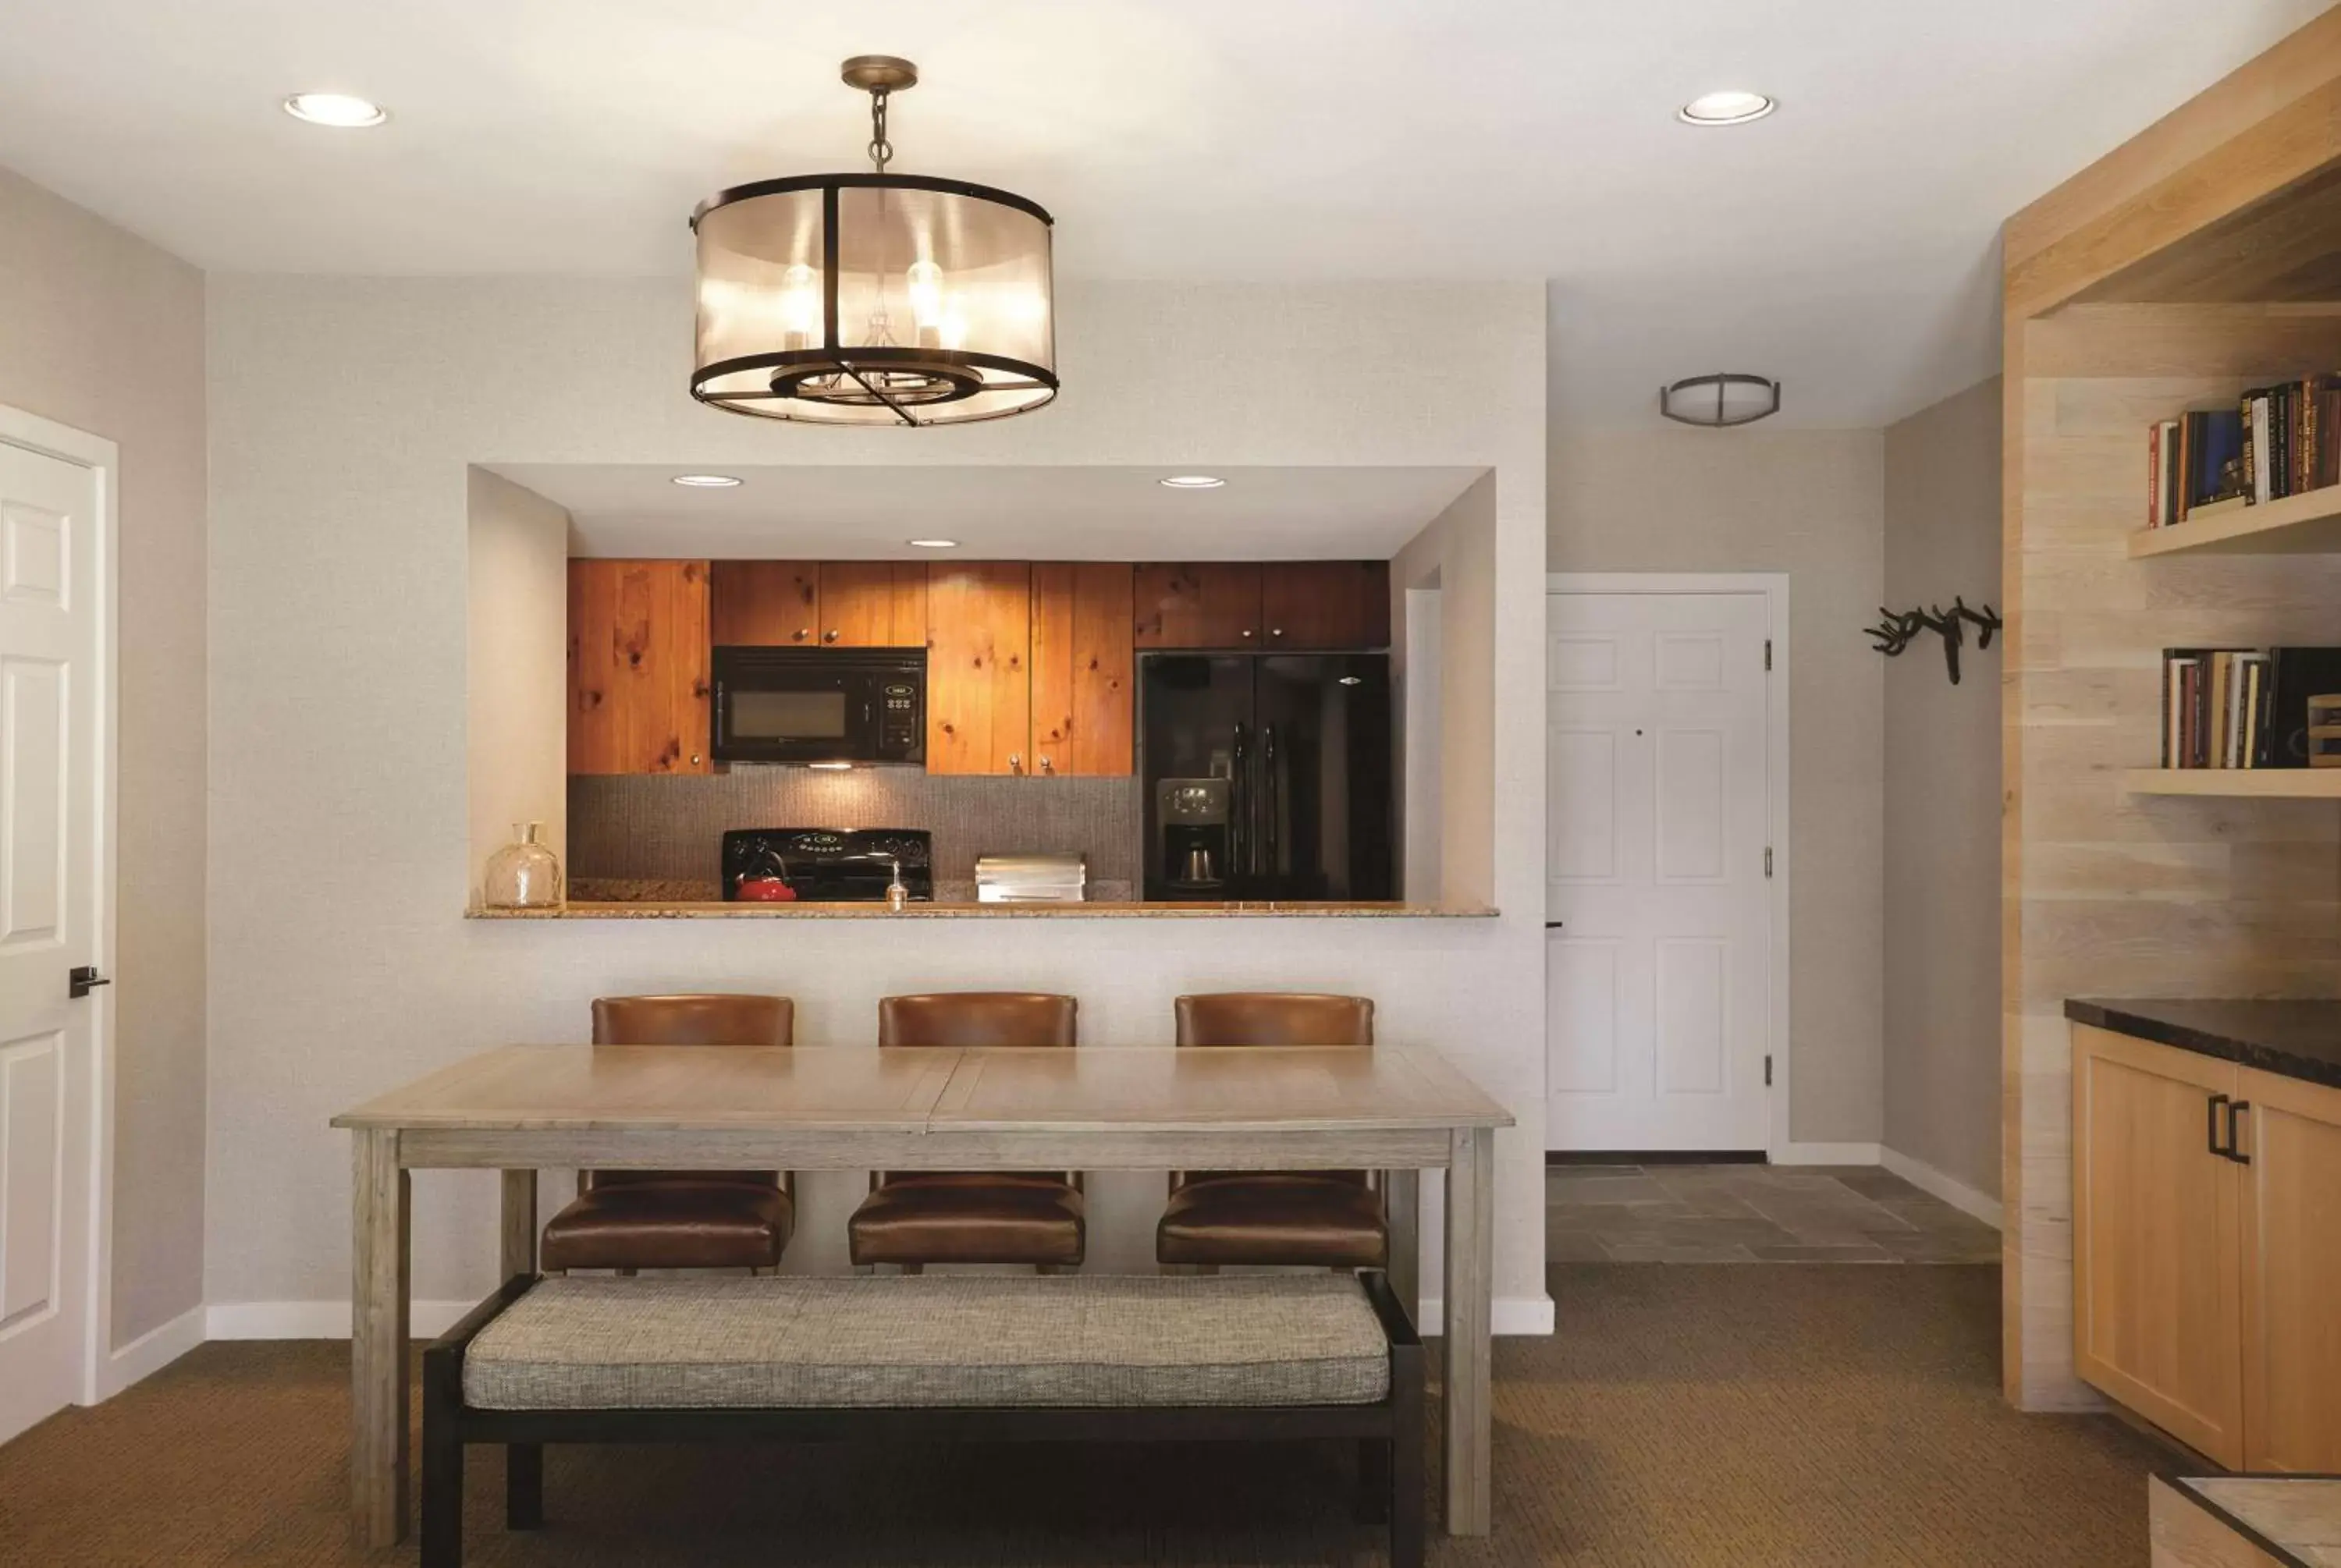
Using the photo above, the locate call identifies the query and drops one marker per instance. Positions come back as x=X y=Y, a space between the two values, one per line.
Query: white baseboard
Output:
x=317 y=1319
x=150 y=1352
x=1949 y=1188
x=1796 y=1154
x=1512 y=1315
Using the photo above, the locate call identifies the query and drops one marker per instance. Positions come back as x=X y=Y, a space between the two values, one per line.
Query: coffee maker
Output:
x=1192 y=852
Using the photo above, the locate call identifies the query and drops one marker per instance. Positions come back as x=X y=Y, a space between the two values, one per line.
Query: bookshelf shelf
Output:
x=2304 y=524
x=2237 y=783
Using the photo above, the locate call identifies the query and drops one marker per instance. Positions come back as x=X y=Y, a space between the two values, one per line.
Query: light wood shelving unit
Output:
x=2198 y=259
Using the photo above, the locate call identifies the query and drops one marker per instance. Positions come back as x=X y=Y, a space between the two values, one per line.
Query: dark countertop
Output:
x=2295 y=1039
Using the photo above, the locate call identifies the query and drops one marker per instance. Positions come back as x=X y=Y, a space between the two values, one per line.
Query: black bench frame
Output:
x=1388 y=1434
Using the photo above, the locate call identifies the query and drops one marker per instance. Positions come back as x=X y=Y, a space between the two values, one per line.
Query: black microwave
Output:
x=841 y=705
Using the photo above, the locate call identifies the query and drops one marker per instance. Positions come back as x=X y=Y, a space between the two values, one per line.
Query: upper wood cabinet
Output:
x=872 y=604
x=765 y=603
x=638 y=667
x=979 y=676
x=2158 y=1279
x=1300 y=606
x=1201 y=604
x=1315 y=605
x=1084 y=669
x=2291 y=1133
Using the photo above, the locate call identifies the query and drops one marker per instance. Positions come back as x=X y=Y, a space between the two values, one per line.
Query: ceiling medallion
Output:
x=875 y=299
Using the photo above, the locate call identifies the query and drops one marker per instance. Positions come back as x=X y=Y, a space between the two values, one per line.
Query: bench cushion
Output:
x=933 y=1341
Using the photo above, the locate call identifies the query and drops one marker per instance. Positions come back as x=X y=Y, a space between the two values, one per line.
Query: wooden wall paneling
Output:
x=873 y=603
x=1325 y=604
x=2291 y=1222
x=2284 y=246
x=2156 y=1246
x=1084 y=669
x=638 y=667
x=979 y=680
x=1199 y=604
x=765 y=603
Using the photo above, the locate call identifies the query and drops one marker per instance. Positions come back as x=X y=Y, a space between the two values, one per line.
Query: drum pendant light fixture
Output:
x=875 y=299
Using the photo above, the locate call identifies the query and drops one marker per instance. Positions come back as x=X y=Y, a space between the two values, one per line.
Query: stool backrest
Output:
x=1275 y=1018
x=973 y=1018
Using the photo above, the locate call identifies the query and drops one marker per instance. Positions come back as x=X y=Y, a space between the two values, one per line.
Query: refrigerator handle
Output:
x=1239 y=805
x=1271 y=770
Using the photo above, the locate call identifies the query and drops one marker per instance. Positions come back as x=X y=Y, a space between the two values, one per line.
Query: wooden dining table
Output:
x=517 y=1109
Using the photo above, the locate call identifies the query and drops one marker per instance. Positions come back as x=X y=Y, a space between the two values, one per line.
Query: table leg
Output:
x=1470 y=1268
x=378 y=1305
x=519 y=1225
x=1403 y=1196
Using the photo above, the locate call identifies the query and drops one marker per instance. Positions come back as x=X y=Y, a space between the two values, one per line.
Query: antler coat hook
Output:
x=1894 y=632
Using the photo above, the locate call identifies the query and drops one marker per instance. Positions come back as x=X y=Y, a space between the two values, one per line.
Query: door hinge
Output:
x=1768 y=860
x=1767 y=1069
x=1767 y=653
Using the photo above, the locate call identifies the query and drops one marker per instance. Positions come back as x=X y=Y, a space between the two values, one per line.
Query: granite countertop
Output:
x=940 y=911
x=2293 y=1039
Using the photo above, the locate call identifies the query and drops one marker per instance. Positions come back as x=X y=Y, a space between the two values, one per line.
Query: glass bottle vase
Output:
x=524 y=874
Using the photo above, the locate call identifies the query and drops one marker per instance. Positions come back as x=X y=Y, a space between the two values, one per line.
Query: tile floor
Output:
x=1753 y=1214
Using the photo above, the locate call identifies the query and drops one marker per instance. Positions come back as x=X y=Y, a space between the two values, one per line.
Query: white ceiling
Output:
x=868 y=513
x=1843 y=245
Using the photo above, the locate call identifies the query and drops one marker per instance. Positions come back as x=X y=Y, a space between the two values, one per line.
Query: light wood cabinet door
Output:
x=764 y=603
x=979 y=675
x=1084 y=669
x=872 y=604
x=2291 y=1133
x=638 y=657
x=2157 y=1245
x=1199 y=604
x=1310 y=606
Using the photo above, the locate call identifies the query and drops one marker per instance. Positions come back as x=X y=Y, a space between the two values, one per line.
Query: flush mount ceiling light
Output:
x=932 y=543
x=1719 y=400
x=875 y=299
x=1730 y=107
x=343 y=111
x=706 y=481
x=1192 y=481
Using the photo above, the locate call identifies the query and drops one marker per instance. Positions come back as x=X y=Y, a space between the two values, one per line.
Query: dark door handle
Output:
x=82 y=980
x=2235 y=1110
x=2211 y=1112
x=1552 y=925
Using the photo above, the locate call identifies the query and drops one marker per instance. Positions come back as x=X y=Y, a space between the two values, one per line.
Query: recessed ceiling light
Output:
x=932 y=543
x=1192 y=481
x=706 y=481
x=1729 y=107
x=343 y=111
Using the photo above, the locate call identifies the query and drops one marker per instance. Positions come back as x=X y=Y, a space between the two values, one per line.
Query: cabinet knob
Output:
x=1047 y=765
x=1276 y=632
x=1246 y=632
x=830 y=636
x=694 y=759
x=798 y=635
x=1016 y=762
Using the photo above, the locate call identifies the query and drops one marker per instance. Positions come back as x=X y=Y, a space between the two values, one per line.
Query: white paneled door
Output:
x=1657 y=934
x=51 y=710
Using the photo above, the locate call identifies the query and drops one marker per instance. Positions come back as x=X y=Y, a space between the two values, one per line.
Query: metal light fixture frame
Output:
x=1669 y=397
x=951 y=375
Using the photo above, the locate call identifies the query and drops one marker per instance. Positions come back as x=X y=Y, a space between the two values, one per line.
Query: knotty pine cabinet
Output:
x=764 y=603
x=1302 y=605
x=1084 y=670
x=638 y=667
x=979 y=667
x=872 y=604
x=2204 y=1282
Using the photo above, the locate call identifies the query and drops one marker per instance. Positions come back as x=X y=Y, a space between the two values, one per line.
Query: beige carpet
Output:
x=1684 y=1415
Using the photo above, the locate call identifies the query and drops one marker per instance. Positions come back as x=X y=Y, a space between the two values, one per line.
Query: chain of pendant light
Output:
x=882 y=150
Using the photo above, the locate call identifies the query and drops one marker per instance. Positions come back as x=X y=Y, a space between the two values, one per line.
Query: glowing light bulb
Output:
x=800 y=307
x=926 y=281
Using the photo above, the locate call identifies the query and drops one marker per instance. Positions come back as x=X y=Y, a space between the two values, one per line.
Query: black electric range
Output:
x=828 y=864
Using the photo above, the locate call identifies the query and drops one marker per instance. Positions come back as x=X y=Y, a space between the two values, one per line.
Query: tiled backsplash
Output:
x=669 y=828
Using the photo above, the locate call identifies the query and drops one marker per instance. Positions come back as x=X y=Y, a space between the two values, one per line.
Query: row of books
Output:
x=2278 y=441
x=2241 y=706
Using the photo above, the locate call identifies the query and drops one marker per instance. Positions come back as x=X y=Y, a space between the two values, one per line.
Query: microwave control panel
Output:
x=901 y=728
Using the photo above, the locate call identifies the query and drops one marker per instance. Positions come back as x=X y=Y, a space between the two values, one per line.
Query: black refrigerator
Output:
x=1267 y=776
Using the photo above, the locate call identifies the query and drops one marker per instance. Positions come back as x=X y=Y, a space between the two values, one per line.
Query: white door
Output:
x=51 y=709
x=1657 y=940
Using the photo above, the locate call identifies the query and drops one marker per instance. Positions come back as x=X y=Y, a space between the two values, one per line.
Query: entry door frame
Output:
x=104 y=460
x=1774 y=586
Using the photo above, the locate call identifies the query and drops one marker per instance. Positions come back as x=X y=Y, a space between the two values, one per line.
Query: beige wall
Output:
x=1457 y=554
x=339 y=549
x=517 y=668
x=1942 y=796
x=1809 y=504
x=101 y=330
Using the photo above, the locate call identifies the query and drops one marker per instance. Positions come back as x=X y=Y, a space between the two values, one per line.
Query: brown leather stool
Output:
x=913 y=1218
x=629 y=1220
x=1331 y=1219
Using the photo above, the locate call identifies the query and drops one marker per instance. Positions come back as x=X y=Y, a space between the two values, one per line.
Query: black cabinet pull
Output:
x=2211 y=1110
x=2235 y=1139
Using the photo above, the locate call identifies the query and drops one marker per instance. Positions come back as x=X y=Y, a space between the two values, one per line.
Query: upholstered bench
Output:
x=908 y=1358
